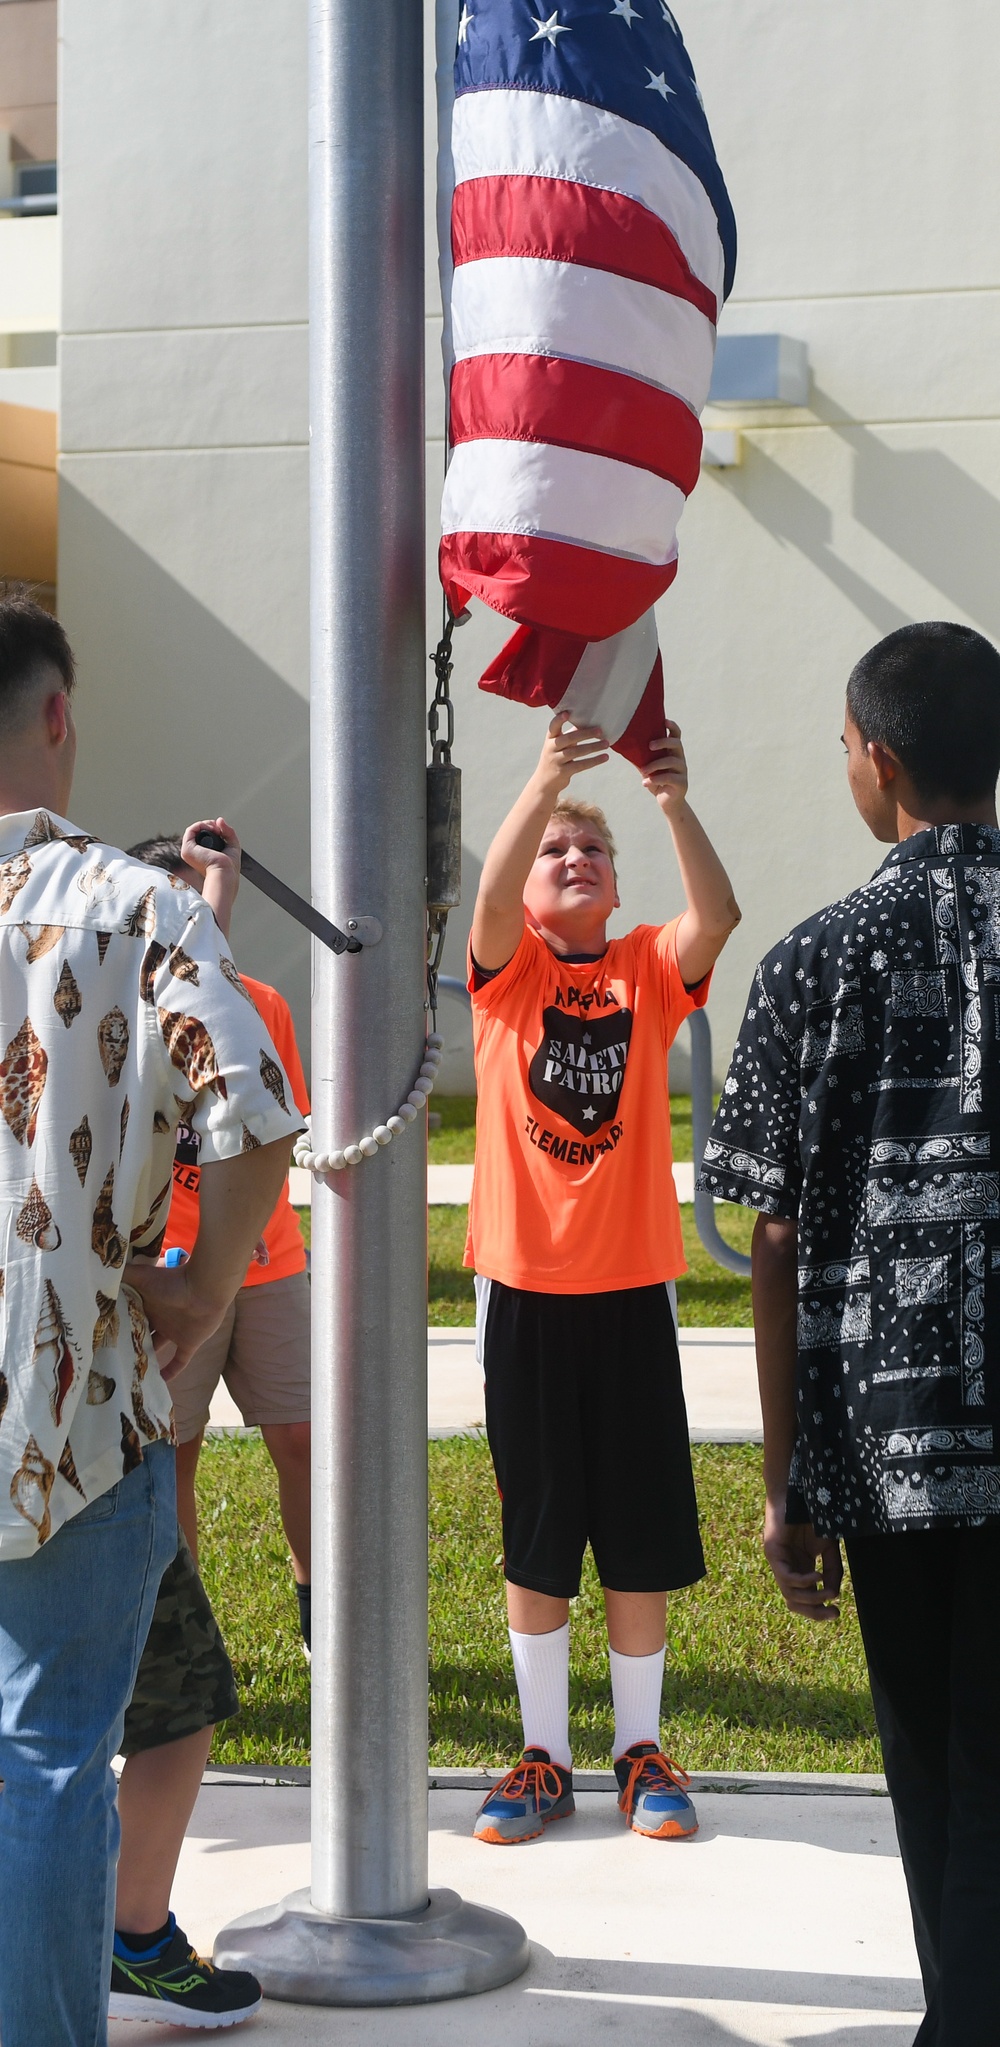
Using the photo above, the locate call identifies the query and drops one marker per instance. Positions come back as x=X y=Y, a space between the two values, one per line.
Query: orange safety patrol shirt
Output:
x=573 y=1191
x=283 y=1237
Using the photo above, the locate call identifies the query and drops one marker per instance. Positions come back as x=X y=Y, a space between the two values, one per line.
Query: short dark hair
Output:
x=164 y=851
x=931 y=694
x=31 y=641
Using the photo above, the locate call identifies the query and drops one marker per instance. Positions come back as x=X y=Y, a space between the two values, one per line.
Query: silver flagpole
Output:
x=369 y=1932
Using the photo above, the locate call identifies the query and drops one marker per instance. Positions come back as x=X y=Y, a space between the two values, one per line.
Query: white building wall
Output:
x=863 y=158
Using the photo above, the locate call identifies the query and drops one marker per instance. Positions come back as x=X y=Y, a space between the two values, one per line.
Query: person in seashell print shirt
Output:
x=116 y=1017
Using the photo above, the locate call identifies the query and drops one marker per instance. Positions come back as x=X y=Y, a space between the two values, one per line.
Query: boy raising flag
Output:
x=574 y=1234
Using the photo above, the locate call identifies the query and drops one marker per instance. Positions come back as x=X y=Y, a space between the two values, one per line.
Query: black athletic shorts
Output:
x=587 y=1425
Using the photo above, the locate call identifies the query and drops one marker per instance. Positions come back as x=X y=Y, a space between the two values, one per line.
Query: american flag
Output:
x=594 y=245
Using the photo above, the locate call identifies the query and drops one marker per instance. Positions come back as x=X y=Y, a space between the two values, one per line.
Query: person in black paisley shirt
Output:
x=861 y=1118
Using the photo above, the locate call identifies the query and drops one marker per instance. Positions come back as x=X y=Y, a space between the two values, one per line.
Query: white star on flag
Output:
x=547 y=31
x=657 y=83
x=626 y=12
x=463 y=26
x=668 y=18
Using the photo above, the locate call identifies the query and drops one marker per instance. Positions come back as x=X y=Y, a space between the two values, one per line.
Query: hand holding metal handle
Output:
x=285 y=897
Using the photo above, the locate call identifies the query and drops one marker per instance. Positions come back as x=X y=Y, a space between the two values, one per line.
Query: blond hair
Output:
x=573 y=810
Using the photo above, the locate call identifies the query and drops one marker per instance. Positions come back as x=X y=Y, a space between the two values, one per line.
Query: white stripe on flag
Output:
x=541 y=135
x=561 y=494
x=528 y=305
x=608 y=685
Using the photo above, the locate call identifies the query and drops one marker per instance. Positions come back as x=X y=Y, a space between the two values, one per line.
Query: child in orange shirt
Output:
x=262 y=1347
x=574 y=1234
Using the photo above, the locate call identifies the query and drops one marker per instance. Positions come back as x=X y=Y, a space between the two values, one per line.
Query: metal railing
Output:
x=701 y=1122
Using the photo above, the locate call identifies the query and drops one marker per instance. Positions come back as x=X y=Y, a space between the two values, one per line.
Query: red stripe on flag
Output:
x=554 y=583
x=575 y=405
x=534 y=668
x=557 y=219
x=537 y=668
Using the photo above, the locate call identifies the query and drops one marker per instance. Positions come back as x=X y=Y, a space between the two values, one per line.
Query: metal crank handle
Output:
x=285 y=897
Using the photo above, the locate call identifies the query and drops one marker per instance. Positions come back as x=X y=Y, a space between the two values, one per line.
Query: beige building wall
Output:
x=28 y=78
x=863 y=158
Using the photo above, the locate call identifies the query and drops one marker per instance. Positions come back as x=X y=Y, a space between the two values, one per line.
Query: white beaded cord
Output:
x=375 y=1140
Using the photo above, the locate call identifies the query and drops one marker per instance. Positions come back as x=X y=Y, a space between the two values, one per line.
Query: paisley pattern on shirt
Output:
x=863 y=1102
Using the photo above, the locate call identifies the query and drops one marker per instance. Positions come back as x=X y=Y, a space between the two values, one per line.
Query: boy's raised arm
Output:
x=712 y=910
x=499 y=914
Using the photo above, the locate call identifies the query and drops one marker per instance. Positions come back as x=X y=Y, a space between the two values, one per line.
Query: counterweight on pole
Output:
x=369 y=1933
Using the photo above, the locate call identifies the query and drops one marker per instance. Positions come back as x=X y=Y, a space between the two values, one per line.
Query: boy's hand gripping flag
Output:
x=594 y=244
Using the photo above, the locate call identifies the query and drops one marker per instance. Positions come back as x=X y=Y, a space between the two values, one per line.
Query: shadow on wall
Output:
x=179 y=719
x=918 y=502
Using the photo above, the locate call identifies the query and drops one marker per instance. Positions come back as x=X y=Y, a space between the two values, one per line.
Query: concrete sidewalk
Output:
x=720 y=1386
x=784 y=1922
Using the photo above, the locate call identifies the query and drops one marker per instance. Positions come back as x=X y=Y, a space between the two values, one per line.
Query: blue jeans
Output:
x=73 y=1621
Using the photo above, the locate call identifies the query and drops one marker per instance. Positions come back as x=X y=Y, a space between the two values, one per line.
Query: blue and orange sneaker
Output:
x=653 y=1794
x=533 y=1793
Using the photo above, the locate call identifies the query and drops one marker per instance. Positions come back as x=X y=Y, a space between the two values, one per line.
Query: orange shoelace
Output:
x=663 y=1768
x=529 y=1780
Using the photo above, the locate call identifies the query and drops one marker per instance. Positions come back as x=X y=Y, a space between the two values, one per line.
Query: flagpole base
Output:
x=301 y=1956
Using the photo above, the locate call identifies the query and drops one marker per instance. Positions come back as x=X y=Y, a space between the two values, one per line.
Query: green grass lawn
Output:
x=746 y=1688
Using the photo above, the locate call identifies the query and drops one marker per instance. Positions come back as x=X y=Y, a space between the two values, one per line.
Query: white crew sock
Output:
x=541 y=1667
x=636 y=1684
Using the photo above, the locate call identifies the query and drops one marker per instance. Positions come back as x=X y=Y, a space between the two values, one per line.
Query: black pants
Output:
x=929 y=1606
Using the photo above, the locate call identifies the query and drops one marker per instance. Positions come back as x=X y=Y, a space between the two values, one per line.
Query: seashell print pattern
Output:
x=182 y=967
x=99 y=1388
x=113 y=1043
x=107 y=1326
x=41 y=939
x=248 y=1142
x=103 y=941
x=97 y=883
x=152 y=961
x=105 y=1235
x=142 y=1420
x=161 y=1124
x=13 y=875
x=234 y=980
x=141 y=1228
x=4 y=1394
x=191 y=1049
x=131 y=1446
x=22 y=1082
x=139 y=1329
x=54 y=1335
x=43 y=833
x=81 y=1145
x=67 y=1470
x=35 y=1224
x=141 y=922
x=31 y=1489
x=271 y=1076
x=67 y=1000
x=123 y=1125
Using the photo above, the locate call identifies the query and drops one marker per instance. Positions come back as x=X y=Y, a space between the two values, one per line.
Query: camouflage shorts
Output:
x=185 y=1679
